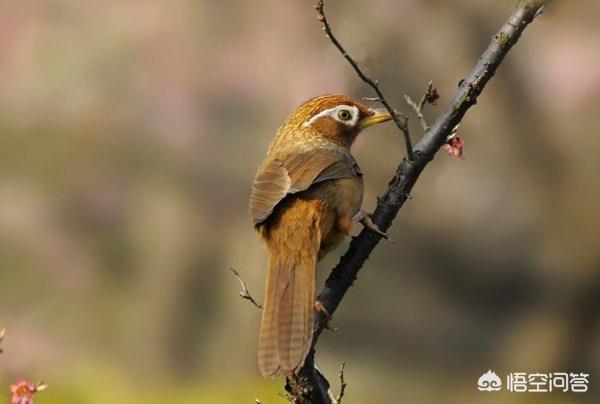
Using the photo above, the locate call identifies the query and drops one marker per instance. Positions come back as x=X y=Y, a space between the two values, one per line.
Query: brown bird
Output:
x=305 y=196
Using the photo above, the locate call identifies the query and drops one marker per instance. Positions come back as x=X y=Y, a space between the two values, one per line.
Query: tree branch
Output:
x=430 y=96
x=343 y=384
x=407 y=173
x=400 y=120
x=244 y=292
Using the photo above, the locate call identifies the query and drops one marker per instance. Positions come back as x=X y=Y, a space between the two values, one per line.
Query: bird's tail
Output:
x=293 y=241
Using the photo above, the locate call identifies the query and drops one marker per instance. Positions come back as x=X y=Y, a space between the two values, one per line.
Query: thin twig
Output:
x=429 y=96
x=400 y=120
x=418 y=111
x=244 y=293
x=332 y=397
x=342 y=384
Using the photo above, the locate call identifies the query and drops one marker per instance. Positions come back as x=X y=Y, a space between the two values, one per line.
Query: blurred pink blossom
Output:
x=22 y=392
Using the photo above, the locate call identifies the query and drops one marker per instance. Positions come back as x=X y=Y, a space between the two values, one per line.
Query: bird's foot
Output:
x=320 y=308
x=365 y=219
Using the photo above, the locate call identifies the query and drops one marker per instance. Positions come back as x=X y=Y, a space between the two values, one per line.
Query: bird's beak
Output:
x=379 y=115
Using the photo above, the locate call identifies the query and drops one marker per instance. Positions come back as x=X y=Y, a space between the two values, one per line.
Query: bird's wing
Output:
x=296 y=172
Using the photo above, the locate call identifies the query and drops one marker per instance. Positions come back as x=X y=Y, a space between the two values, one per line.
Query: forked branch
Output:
x=429 y=97
x=244 y=292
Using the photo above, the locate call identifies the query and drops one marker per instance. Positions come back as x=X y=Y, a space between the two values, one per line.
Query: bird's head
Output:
x=336 y=117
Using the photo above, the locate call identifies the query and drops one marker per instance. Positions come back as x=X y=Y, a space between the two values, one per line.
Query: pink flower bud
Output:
x=454 y=147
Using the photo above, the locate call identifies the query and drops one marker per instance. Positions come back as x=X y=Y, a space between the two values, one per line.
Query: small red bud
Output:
x=455 y=147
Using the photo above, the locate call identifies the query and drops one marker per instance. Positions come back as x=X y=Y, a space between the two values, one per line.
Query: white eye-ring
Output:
x=346 y=114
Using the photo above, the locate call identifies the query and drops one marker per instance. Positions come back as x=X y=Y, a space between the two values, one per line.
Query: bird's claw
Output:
x=365 y=219
x=320 y=308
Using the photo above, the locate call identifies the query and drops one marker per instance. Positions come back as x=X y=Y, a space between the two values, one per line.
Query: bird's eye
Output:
x=344 y=115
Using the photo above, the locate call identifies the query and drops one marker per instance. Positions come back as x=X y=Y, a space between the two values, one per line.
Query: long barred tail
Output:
x=288 y=316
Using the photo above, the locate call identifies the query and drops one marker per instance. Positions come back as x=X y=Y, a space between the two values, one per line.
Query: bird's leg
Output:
x=319 y=307
x=365 y=219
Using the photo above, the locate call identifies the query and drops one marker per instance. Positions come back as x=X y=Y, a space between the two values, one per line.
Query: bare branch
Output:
x=244 y=293
x=342 y=384
x=400 y=120
x=430 y=96
x=407 y=173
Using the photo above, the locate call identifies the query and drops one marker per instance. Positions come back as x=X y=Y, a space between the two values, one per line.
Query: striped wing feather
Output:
x=293 y=173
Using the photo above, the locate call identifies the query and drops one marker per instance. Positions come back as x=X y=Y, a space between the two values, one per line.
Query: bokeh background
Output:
x=130 y=132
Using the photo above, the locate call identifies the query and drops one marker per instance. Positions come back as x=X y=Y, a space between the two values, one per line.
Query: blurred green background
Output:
x=130 y=132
